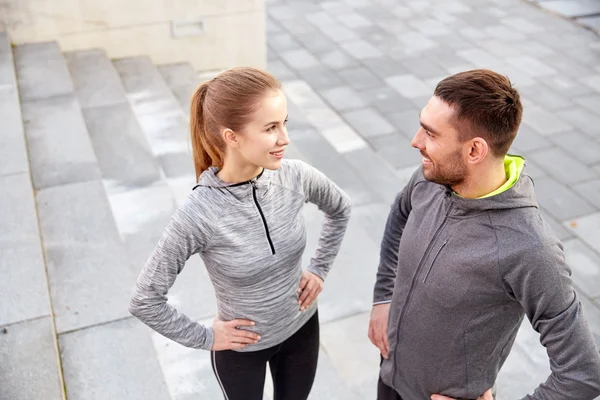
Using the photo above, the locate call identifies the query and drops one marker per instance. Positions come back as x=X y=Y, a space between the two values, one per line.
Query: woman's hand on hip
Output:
x=310 y=287
x=229 y=335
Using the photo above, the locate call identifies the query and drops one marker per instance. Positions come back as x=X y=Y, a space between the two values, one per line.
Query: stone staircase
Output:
x=94 y=159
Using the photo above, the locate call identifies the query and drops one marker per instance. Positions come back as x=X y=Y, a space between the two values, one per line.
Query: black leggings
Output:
x=293 y=365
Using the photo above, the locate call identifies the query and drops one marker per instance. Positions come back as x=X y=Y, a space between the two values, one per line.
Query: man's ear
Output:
x=478 y=150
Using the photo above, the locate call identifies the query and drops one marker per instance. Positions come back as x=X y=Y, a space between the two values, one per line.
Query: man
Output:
x=465 y=255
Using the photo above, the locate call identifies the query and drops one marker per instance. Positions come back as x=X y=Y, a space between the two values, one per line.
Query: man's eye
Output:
x=285 y=122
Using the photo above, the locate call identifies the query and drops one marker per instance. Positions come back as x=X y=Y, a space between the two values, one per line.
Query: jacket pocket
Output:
x=437 y=253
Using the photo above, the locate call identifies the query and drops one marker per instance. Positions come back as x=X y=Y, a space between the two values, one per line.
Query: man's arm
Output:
x=388 y=263
x=544 y=288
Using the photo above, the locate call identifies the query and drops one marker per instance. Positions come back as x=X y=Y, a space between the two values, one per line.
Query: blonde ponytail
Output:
x=204 y=153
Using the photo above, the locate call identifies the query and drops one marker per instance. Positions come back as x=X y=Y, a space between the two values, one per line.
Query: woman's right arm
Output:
x=182 y=238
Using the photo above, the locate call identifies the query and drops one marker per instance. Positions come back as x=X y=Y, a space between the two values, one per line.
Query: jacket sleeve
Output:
x=182 y=238
x=390 y=244
x=336 y=205
x=543 y=287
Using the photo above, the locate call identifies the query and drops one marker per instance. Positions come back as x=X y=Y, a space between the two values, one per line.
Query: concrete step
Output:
x=124 y=156
x=159 y=115
x=13 y=152
x=182 y=79
x=27 y=336
x=60 y=150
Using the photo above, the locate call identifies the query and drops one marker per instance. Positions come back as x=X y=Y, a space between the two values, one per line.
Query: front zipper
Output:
x=412 y=285
x=262 y=216
x=434 y=258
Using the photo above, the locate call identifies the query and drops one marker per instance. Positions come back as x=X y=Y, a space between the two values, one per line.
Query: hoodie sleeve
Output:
x=182 y=238
x=388 y=254
x=335 y=204
x=543 y=287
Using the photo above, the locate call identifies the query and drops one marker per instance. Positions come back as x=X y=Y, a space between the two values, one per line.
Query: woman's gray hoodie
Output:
x=251 y=237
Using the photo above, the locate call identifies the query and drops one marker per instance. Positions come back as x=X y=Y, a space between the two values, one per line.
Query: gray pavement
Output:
x=100 y=160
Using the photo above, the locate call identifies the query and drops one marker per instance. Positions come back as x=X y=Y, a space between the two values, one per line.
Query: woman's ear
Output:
x=230 y=137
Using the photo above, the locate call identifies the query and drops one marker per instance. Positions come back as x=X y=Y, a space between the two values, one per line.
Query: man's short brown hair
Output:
x=486 y=105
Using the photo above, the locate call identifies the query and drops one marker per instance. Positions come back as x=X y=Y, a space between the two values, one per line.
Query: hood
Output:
x=240 y=190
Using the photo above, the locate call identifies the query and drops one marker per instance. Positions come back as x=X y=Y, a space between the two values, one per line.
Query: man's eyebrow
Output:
x=426 y=127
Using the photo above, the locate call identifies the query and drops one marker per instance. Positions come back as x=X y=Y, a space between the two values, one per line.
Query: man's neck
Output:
x=482 y=182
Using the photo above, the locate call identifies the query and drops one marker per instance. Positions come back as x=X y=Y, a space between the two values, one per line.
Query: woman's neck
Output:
x=238 y=173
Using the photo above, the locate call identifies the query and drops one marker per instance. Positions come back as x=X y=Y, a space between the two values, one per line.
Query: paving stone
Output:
x=559 y=201
x=7 y=72
x=590 y=101
x=317 y=43
x=591 y=309
x=368 y=122
x=397 y=151
x=124 y=156
x=343 y=98
x=338 y=59
x=360 y=78
x=505 y=33
x=359 y=371
x=590 y=191
x=585 y=265
x=479 y=58
x=29 y=362
x=522 y=25
x=406 y=122
x=339 y=33
x=415 y=43
x=95 y=80
x=353 y=20
x=409 y=86
x=281 y=13
x=592 y=81
x=60 y=150
x=299 y=59
x=378 y=175
x=385 y=100
x=321 y=77
x=340 y=297
x=592 y=22
x=146 y=89
x=526 y=366
x=320 y=19
x=537 y=50
x=384 y=67
x=528 y=141
x=534 y=170
x=424 y=67
x=41 y=71
x=89 y=275
x=283 y=41
x=566 y=86
x=562 y=166
x=531 y=65
x=141 y=217
x=577 y=8
x=361 y=49
x=544 y=122
x=273 y=26
x=545 y=97
x=560 y=231
x=13 y=151
x=280 y=70
x=581 y=146
x=588 y=229
x=320 y=154
x=586 y=121
x=94 y=365
x=187 y=372
x=328 y=383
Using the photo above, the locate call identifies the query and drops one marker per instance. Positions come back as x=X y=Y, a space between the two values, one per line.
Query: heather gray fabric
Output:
x=460 y=275
x=251 y=237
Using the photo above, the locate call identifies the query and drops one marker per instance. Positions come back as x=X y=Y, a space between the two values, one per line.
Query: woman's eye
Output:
x=271 y=129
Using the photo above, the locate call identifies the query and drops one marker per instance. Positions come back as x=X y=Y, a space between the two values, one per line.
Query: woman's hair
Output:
x=226 y=101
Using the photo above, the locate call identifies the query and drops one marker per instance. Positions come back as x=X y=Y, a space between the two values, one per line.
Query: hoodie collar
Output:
x=239 y=190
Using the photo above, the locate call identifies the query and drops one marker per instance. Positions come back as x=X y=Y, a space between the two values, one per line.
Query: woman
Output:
x=245 y=220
